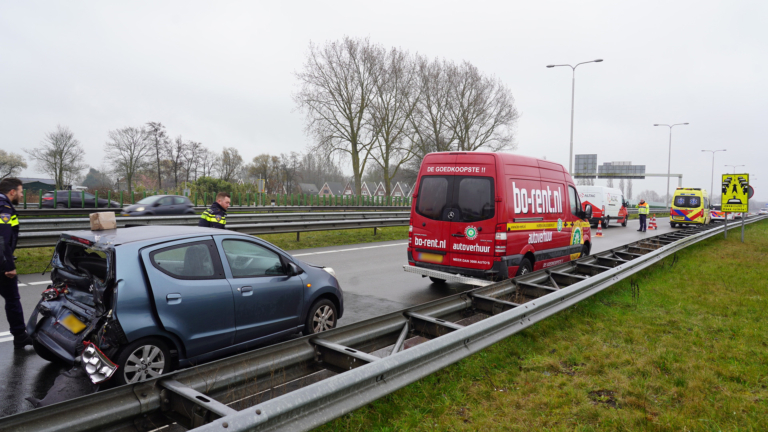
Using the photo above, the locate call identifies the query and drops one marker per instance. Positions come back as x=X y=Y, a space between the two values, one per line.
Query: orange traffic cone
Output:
x=652 y=225
x=599 y=232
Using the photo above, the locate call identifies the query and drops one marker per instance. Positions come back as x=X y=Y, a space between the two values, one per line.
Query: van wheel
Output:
x=525 y=267
x=141 y=360
x=584 y=251
x=322 y=316
x=606 y=222
x=437 y=280
x=45 y=353
x=672 y=224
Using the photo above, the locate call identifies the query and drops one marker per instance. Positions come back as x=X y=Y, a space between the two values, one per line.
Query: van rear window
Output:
x=456 y=198
x=687 y=201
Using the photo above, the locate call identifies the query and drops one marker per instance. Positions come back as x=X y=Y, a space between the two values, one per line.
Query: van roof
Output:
x=509 y=159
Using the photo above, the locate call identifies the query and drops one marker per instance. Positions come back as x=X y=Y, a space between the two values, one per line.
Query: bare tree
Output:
x=127 y=150
x=621 y=185
x=158 y=139
x=481 y=110
x=337 y=88
x=609 y=182
x=290 y=164
x=392 y=107
x=10 y=164
x=208 y=162
x=229 y=163
x=175 y=152
x=629 y=189
x=430 y=117
x=59 y=156
x=192 y=159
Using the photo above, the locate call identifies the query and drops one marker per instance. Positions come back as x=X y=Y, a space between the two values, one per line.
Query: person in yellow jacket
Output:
x=642 y=210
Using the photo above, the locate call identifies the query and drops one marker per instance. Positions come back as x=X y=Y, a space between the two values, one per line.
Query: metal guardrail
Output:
x=49 y=224
x=49 y=238
x=199 y=209
x=305 y=382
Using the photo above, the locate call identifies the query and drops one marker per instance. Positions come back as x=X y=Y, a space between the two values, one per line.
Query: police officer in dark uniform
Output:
x=11 y=192
x=216 y=215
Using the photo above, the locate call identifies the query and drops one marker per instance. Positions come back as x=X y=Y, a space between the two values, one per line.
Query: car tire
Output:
x=148 y=351
x=525 y=267
x=45 y=353
x=437 y=280
x=324 y=311
x=61 y=206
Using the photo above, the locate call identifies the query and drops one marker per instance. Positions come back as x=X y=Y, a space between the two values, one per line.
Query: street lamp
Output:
x=573 y=93
x=734 y=167
x=669 y=158
x=712 y=183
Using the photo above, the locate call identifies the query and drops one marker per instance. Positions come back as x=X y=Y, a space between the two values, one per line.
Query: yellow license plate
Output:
x=678 y=218
x=125 y=214
x=430 y=257
x=71 y=323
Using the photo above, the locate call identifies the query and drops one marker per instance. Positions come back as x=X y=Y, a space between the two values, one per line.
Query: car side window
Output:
x=573 y=198
x=247 y=259
x=188 y=261
x=179 y=200
x=166 y=201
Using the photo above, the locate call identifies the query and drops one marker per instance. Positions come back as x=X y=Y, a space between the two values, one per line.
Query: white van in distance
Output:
x=608 y=204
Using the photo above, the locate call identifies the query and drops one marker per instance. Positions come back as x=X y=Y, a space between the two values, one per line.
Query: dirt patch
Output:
x=465 y=414
x=604 y=397
x=569 y=368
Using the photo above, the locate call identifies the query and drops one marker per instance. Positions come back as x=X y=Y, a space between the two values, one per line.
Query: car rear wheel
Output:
x=45 y=353
x=61 y=206
x=322 y=316
x=437 y=280
x=141 y=360
x=525 y=267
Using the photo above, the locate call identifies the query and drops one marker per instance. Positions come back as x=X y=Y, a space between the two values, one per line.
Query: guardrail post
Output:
x=25 y=201
x=145 y=194
x=40 y=198
x=69 y=199
x=121 y=198
x=109 y=198
x=96 y=199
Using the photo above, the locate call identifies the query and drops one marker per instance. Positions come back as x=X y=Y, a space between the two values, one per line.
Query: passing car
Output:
x=161 y=205
x=61 y=199
x=717 y=214
x=135 y=303
x=763 y=211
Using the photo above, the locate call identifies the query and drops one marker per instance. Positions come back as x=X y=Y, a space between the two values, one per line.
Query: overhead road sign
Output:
x=735 y=189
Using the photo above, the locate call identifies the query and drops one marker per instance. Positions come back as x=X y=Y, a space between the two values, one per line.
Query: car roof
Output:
x=119 y=236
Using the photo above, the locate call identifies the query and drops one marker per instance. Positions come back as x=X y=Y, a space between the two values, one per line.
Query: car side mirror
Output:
x=293 y=269
x=587 y=212
x=156 y=204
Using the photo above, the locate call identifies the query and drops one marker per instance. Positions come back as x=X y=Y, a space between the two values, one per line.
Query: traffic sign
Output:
x=735 y=189
x=751 y=191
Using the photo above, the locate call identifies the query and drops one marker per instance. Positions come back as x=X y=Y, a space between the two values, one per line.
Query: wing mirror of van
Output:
x=587 y=212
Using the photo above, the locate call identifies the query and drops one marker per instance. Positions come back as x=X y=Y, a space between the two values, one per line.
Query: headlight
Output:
x=330 y=271
x=140 y=209
x=98 y=367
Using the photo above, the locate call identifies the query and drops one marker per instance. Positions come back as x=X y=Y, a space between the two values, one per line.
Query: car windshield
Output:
x=456 y=198
x=687 y=201
x=147 y=200
x=716 y=207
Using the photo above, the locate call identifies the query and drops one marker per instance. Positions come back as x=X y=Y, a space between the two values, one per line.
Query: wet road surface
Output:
x=370 y=275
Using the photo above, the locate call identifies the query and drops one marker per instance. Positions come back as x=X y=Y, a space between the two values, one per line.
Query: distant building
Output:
x=331 y=189
x=349 y=189
x=308 y=188
x=40 y=184
x=380 y=190
x=399 y=190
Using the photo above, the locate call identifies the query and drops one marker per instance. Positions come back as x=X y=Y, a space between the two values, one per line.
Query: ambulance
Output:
x=608 y=204
x=690 y=206
x=494 y=216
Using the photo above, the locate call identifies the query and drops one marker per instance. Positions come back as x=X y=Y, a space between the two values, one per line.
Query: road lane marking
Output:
x=350 y=249
x=6 y=339
x=6 y=333
x=38 y=283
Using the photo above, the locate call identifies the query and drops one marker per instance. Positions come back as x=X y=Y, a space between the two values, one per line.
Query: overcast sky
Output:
x=222 y=72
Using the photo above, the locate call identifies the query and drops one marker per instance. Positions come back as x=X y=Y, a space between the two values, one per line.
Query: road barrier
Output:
x=200 y=209
x=49 y=238
x=300 y=384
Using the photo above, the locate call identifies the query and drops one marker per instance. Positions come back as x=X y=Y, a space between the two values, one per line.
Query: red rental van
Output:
x=494 y=215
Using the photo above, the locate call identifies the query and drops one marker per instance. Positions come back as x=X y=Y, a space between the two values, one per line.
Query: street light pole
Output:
x=573 y=99
x=669 y=158
x=712 y=183
x=734 y=167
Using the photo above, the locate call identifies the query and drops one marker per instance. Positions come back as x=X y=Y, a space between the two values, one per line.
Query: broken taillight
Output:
x=97 y=365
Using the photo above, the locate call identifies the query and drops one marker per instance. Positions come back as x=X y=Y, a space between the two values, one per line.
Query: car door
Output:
x=162 y=206
x=267 y=300
x=192 y=296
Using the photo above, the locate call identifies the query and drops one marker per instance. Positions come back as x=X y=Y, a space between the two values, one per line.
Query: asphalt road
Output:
x=370 y=274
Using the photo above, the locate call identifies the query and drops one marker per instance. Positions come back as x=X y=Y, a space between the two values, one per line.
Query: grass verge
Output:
x=34 y=260
x=690 y=353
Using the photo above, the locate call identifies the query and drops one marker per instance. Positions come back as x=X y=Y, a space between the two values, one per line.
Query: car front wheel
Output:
x=141 y=360
x=322 y=316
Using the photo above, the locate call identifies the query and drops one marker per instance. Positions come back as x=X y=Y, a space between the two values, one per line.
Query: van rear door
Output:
x=432 y=201
x=472 y=222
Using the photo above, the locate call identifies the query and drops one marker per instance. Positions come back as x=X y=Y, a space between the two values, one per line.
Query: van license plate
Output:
x=429 y=257
x=71 y=323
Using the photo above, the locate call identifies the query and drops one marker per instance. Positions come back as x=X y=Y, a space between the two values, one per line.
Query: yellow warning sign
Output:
x=735 y=193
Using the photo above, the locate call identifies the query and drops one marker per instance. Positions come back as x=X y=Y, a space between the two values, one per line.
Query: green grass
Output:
x=34 y=260
x=689 y=354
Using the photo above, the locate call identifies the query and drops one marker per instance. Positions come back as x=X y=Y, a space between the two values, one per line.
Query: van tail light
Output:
x=97 y=365
x=500 y=242
x=410 y=235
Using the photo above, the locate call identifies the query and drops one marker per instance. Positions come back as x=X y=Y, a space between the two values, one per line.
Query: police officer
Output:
x=642 y=210
x=10 y=193
x=216 y=215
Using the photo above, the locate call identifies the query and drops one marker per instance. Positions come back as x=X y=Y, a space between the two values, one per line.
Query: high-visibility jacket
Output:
x=642 y=209
x=9 y=233
x=214 y=217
